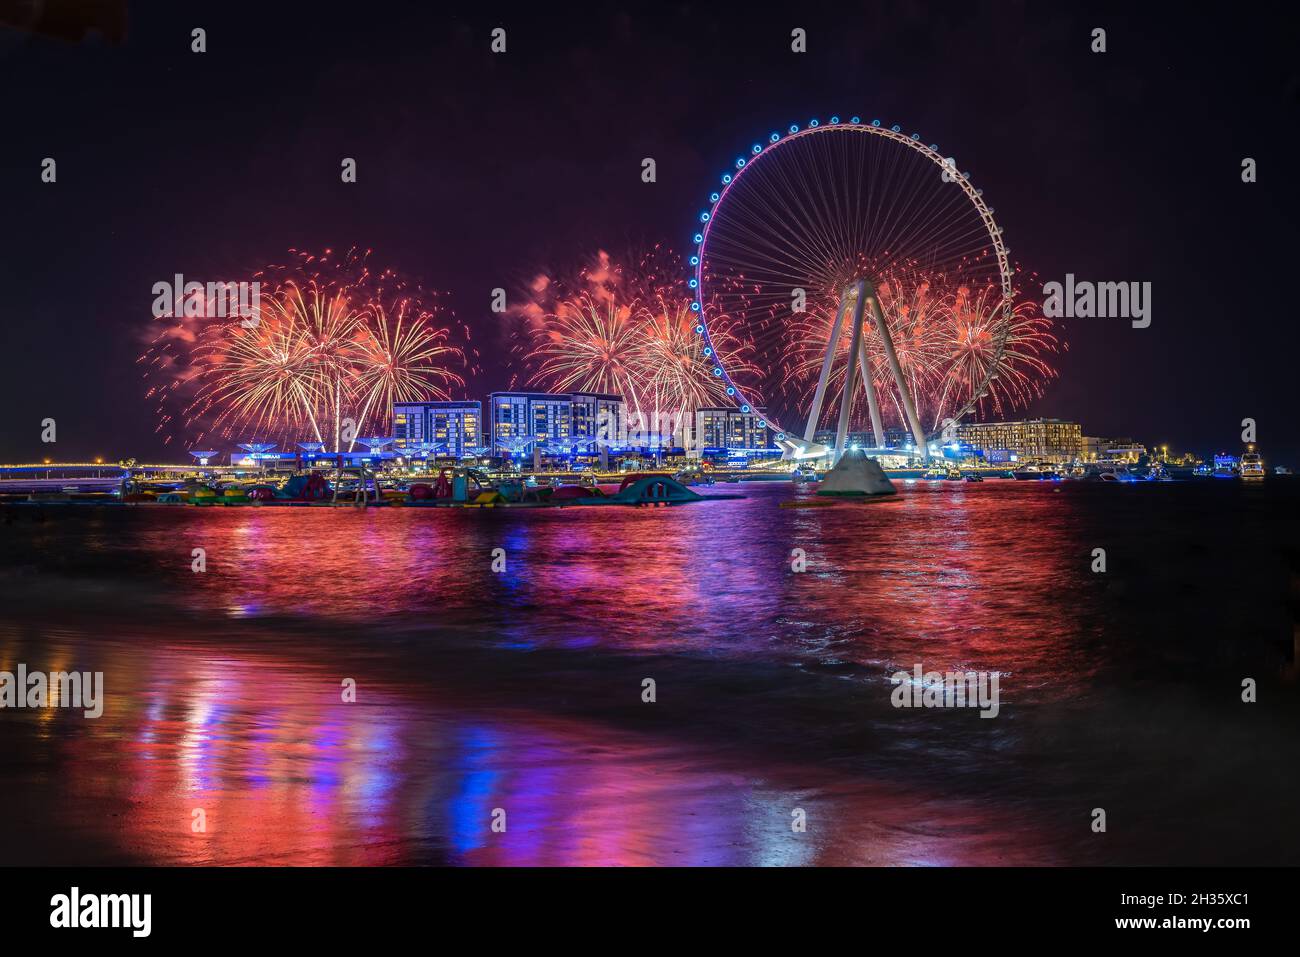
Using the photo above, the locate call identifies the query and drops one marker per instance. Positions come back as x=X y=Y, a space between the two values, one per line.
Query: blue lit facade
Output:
x=597 y=416
x=448 y=428
x=559 y=422
x=731 y=428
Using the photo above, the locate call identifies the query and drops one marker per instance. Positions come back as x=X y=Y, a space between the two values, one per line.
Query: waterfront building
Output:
x=895 y=438
x=447 y=428
x=551 y=419
x=1098 y=449
x=561 y=422
x=731 y=428
x=1050 y=440
x=1125 y=450
x=596 y=416
x=508 y=415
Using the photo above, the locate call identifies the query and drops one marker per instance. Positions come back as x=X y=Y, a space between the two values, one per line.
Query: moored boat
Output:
x=1252 y=466
x=1034 y=471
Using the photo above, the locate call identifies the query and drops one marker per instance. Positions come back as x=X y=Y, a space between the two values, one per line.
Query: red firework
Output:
x=335 y=342
x=946 y=335
x=629 y=331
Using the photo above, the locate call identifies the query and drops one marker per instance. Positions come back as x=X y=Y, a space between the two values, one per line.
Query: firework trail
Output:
x=630 y=331
x=335 y=341
x=945 y=335
x=1021 y=371
x=586 y=344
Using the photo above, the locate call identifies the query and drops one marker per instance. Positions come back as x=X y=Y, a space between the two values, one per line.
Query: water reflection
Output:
x=962 y=579
x=284 y=772
x=518 y=691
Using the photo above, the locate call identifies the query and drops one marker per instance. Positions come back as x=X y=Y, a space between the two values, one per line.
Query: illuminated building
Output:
x=895 y=438
x=1051 y=440
x=596 y=416
x=452 y=428
x=550 y=418
x=723 y=428
x=562 y=421
x=1096 y=449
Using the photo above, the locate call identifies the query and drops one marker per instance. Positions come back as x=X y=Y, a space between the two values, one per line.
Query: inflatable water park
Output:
x=365 y=488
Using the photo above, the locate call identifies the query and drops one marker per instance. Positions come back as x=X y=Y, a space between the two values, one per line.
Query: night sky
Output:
x=478 y=170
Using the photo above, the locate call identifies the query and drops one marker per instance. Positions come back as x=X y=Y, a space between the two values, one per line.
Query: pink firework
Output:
x=629 y=331
x=335 y=342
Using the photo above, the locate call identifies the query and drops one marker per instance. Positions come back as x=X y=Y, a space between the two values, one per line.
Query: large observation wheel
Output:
x=846 y=257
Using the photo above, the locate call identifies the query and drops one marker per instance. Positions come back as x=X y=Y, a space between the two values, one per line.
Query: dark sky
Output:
x=476 y=170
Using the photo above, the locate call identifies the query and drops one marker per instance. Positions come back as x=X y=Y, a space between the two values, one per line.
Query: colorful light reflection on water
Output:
x=521 y=691
x=285 y=773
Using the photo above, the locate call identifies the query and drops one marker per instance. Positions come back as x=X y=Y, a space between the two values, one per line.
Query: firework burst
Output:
x=945 y=334
x=1019 y=373
x=335 y=341
x=586 y=344
x=628 y=331
x=400 y=356
x=674 y=363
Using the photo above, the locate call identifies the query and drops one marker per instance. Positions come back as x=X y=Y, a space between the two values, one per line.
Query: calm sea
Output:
x=508 y=685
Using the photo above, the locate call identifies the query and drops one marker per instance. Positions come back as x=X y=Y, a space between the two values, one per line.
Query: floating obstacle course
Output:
x=458 y=488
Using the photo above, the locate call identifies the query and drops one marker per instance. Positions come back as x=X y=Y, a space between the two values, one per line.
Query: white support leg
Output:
x=909 y=406
x=820 y=395
x=873 y=404
x=850 y=375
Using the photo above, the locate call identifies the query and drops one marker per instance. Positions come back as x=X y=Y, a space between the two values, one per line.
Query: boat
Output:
x=1034 y=471
x=689 y=477
x=1252 y=466
x=1107 y=472
x=1282 y=470
x=972 y=477
x=1116 y=473
x=1226 y=467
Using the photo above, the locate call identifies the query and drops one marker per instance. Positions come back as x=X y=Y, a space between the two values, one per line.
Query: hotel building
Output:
x=1050 y=440
x=895 y=438
x=595 y=415
x=561 y=421
x=723 y=428
x=449 y=428
x=1096 y=449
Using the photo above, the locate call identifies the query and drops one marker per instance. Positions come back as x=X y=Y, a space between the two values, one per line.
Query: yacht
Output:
x=1034 y=471
x=1108 y=472
x=1252 y=466
x=1117 y=473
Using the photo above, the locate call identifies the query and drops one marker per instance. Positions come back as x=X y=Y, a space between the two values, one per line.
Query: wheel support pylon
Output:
x=856 y=297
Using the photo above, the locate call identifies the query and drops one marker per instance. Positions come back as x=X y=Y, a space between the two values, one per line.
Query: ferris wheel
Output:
x=851 y=257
